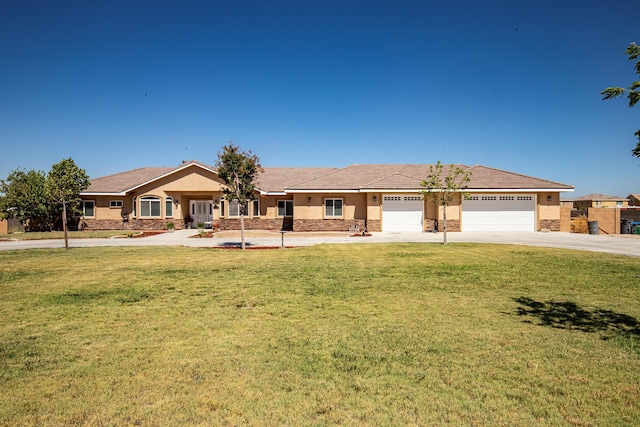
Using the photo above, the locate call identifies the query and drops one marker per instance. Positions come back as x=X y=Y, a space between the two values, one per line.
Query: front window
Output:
x=285 y=207
x=87 y=207
x=333 y=207
x=235 y=208
x=256 y=208
x=115 y=203
x=150 y=207
x=168 y=206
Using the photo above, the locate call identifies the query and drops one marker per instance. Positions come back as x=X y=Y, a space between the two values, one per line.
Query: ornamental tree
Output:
x=238 y=169
x=442 y=185
x=633 y=94
x=65 y=182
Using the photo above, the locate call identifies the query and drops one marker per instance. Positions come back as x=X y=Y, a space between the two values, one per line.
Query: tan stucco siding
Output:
x=374 y=206
x=103 y=209
x=191 y=181
x=548 y=206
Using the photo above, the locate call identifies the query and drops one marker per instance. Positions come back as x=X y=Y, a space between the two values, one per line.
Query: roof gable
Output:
x=125 y=182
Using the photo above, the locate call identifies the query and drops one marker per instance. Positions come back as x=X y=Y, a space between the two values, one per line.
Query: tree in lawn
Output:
x=238 y=169
x=633 y=94
x=65 y=182
x=24 y=197
x=442 y=185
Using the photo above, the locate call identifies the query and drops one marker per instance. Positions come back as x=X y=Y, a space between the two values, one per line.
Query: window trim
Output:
x=333 y=216
x=236 y=205
x=285 y=202
x=168 y=207
x=83 y=209
x=150 y=199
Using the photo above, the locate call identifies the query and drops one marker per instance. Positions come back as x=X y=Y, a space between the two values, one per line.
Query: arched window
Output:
x=150 y=207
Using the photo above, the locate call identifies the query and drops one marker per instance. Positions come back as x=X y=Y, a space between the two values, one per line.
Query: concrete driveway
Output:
x=628 y=245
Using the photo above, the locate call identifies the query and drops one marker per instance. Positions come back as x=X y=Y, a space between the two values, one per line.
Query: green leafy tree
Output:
x=65 y=182
x=24 y=197
x=443 y=185
x=238 y=169
x=633 y=94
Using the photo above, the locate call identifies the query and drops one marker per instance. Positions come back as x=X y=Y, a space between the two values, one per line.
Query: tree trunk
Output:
x=444 y=219
x=242 y=229
x=64 y=224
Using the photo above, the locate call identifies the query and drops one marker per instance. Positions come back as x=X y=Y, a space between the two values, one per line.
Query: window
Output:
x=256 y=208
x=168 y=206
x=222 y=213
x=235 y=208
x=134 y=207
x=115 y=203
x=149 y=206
x=285 y=207
x=88 y=208
x=333 y=207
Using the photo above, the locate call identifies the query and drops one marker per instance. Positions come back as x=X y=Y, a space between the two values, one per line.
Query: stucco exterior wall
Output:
x=4 y=226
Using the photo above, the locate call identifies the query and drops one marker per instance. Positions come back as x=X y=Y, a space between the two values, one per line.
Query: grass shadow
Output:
x=569 y=315
x=234 y=244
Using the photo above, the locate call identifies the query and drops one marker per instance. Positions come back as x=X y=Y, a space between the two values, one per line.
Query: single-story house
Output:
x=600 y=201
x=375 y=197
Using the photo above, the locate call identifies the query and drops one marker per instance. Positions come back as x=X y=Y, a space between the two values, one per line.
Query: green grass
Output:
x=402 y=334
x=88 y=234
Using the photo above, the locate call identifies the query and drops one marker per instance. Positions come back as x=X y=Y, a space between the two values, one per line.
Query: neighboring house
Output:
x=634 y=199
x=568 y=203
x=600 y=201
x=382 y=197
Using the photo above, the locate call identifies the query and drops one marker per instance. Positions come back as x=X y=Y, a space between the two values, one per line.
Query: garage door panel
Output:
x=402 y=213
x=491 y=212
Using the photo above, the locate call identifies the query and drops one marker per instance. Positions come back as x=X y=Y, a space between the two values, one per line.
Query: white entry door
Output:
x=402 y=213
x=201 y=211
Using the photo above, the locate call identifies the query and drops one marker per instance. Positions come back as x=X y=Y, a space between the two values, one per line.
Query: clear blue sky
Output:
x=514 y=85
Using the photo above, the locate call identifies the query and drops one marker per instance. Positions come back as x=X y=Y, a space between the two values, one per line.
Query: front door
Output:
x=201 y=211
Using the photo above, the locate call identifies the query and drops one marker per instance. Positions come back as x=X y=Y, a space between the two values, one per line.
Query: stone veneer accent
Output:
x=452 y=225
x=256 y=224
x=374 y=225
x=550 y=224
x=326 y=224
x=132 y=224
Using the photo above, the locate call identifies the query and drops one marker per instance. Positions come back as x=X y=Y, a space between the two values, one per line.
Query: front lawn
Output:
x=359 y=334
x=88 y=234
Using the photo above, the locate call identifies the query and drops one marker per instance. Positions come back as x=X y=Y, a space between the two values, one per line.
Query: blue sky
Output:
x=508 y=84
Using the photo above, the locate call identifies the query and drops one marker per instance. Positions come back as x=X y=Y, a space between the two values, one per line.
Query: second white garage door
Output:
x=402 y=213
x=499 y=212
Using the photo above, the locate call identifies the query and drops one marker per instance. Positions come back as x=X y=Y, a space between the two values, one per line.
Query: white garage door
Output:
x=499 y=212
x=402 y=213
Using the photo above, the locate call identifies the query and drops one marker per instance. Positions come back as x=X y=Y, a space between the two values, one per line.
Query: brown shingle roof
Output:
x=277 y=179
x=409 y=176
x=486 y=178
x=351 y=178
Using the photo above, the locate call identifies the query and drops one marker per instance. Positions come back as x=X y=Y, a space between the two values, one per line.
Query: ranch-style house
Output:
x=375 y=197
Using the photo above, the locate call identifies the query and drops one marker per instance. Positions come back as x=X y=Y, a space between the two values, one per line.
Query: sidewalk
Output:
x=627 y=245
